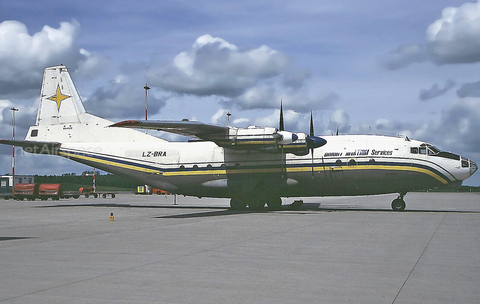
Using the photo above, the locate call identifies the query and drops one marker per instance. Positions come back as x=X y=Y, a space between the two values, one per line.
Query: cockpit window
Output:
x=432 y=150
x=425 y=149
x=464 y=163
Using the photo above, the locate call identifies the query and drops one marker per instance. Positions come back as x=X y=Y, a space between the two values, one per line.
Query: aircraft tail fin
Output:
x=60 y=102
x=61 y=116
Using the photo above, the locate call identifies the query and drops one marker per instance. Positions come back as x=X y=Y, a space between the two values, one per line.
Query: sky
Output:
x=384 y=67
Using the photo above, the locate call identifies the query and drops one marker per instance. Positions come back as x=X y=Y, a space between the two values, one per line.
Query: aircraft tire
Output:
x=237 y=204
x=398 y=204
x=275 y=203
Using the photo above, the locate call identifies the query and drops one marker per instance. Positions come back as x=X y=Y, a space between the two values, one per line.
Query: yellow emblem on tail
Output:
x=58 y=97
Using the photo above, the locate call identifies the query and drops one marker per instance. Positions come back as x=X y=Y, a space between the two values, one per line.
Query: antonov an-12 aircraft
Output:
x=252 y=166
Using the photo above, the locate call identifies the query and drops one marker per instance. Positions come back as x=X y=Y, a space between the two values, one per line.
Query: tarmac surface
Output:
x=332 y=250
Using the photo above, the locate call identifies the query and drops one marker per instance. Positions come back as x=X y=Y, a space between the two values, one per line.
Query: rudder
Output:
x=60 y=102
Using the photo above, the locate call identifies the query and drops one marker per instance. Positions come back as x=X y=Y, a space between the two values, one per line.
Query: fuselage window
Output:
x=414 y=150
x=352 y=162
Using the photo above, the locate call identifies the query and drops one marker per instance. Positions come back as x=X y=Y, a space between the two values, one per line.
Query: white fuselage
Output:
x=347 y=165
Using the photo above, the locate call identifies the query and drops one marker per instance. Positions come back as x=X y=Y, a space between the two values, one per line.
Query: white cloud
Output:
x=454 y=38
x=241 y=121
x=339 y=120
x=459 y=125
x=213 y=66
x=219 y=116
x=23 y=56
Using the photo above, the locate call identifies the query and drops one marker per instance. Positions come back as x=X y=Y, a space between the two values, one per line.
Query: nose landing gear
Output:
x=398 y=204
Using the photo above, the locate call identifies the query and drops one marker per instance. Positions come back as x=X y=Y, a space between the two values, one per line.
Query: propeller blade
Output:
x=281 y=126
x=311 y=124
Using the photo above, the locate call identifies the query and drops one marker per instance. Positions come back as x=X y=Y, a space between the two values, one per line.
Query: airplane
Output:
x=252 y=166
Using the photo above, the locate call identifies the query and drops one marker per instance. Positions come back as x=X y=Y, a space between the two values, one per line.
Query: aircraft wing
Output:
x=187 y=128
x=252 y=138
x=38 y=147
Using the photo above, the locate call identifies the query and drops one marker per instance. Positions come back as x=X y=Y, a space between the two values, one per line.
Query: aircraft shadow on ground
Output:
x=225 y=211
x=13 y=238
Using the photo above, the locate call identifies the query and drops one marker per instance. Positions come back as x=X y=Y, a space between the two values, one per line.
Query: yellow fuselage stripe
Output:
x=250 y=171
x=109 y=163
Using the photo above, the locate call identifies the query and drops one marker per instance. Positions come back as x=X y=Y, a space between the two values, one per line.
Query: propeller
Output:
x=313 y=141
x=282 y=128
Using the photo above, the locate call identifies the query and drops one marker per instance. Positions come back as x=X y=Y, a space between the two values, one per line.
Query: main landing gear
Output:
x=256 y=203
x=398 y=204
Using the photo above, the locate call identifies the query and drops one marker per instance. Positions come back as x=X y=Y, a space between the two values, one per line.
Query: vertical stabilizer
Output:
x=61 y=116
x=59 y=99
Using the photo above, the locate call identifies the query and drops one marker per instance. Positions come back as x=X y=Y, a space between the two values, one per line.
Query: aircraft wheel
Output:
x=398 y=204
x=275 y=203
x=237 y=204
x=256 y=204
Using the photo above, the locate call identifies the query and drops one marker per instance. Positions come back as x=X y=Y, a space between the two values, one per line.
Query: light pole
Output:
x=13 y=147
x=228 y=117
x=146 y=107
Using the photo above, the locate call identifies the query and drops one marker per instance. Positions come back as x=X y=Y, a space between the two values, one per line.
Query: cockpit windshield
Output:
x=425 y=149
x=428 y=149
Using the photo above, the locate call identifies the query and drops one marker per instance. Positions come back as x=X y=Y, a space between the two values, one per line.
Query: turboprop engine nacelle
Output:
x=263 y=139
x=286 y=137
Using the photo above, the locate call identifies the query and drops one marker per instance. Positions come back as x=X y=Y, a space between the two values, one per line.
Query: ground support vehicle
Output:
x=25 y=191
x=89 y=191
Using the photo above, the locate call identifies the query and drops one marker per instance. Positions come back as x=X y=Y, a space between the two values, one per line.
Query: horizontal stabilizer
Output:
x=37 y=147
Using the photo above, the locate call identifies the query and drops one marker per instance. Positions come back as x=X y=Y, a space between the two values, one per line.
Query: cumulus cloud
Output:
x=213 y=66
x=294 y=121
x=23 y=56
x=339 y=120
x=471 y=89
x=219 y=117
x=266 y=96
x=120 y=100
x=436 y=91
x=24 y=118
x=248 y=78
x=454 y=38
x=459 y=125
